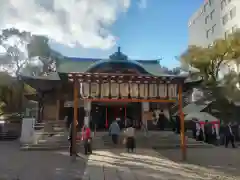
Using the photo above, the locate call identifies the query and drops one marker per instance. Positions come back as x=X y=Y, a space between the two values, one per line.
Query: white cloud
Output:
x=71 y=22
x=2 y=50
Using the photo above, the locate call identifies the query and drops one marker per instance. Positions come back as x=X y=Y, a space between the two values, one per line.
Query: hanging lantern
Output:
x=84 y=90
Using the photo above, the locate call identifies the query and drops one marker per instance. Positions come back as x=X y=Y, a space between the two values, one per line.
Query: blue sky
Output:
x=157 y=31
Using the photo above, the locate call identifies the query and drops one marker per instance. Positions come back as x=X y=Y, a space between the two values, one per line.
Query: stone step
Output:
x=47 y=146
x=178 y=146
x=172 y=141
x=56 y=145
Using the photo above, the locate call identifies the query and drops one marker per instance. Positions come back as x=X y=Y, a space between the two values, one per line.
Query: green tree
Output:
x=234 y=53
x=231 y=86
x=208 y=60
x=24 y=52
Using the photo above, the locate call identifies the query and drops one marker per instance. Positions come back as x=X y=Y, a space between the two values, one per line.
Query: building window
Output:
x=233 y=13
x=211 y=14
x=225 y=19
x=206 y=19
x=234 y=28
x=227 y=33
x=208 y=33
x=223 y=3
x=213 y=28
x=205 y=7
x=210 y=2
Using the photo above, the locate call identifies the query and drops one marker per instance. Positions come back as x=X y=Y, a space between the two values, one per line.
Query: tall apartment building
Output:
x=213 y=20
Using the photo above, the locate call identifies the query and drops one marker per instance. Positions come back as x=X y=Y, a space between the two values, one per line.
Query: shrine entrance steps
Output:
x=156 y=140
x=54 y=136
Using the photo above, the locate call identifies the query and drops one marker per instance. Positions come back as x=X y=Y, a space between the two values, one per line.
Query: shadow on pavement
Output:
x=146 y=164
x=215 y=160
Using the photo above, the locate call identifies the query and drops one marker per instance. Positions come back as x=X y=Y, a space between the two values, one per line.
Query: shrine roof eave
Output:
x=190 y=83
x=127 y=77
x=43 y=83
x=32 y=97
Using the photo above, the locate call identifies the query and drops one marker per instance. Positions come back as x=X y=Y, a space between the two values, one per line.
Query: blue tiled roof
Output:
x=82 y=59
x=99 y=59
x=76 y=64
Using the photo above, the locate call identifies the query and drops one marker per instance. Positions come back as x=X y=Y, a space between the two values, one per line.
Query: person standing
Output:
x=235 y=130
x=207 y=131
x=222 y=133
x=178 y=125
x=198 y=130
x=130 y=138
x=87 y=139
x=144 y=127
x=70 y=139
x=114 y=131
x=229 y=136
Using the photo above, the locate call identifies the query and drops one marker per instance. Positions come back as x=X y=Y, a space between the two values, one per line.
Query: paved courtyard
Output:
x=115 y=164
x=37 y=165
x=147 y=164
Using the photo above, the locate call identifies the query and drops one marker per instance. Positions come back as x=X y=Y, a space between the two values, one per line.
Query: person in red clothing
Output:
x=87 y=139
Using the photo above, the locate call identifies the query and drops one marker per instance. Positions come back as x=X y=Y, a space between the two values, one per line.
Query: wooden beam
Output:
x=182 y=130
x=75 y=120
x=131 y=100
x=147 y=76
x=96 y=77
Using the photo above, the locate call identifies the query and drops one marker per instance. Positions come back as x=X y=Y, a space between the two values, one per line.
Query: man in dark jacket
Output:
x=235 y=130
x=207 y=131
x=178 y=125
x=229 y=136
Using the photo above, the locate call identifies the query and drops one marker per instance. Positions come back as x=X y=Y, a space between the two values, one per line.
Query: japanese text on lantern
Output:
x=128 y=90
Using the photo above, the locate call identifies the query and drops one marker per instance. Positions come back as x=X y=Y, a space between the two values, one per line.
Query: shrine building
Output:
x=105 y=90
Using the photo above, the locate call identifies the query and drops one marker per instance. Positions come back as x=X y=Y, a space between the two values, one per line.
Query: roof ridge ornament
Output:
x=118 y=55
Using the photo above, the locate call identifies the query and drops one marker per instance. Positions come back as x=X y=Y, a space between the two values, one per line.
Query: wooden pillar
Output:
x=40 y=108
x=125 y=115
x=39 y=118
x=57 y=109
x=182 y=128
x=106 y=120
x=75 y=120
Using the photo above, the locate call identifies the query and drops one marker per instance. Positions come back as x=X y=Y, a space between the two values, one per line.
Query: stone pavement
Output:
x=115 y=164
x=147 y=164
x=37 y=165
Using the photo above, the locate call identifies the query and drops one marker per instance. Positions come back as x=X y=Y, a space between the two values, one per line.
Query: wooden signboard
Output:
x=147 y=116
